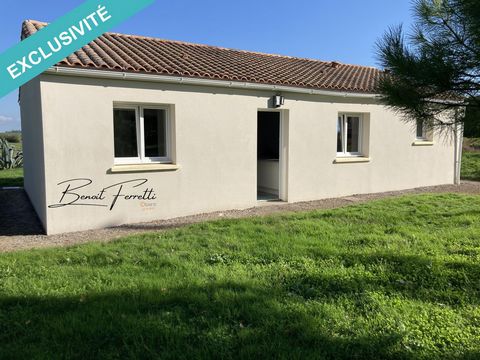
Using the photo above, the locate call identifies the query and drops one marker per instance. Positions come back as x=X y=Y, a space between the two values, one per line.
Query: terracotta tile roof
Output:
x=130 y=53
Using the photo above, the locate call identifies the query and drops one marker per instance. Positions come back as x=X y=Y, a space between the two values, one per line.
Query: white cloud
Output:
x=6 y=119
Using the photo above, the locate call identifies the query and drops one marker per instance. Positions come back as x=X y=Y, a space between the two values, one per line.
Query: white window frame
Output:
x=139 y=118
x=344 y=130
x=424 y=131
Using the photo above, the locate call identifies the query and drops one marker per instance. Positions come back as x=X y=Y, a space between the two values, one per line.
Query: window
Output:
x=349 y=135
x=421 y=131
x=141 y=134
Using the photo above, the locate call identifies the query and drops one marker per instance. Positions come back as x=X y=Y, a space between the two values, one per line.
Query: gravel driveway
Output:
x=20 y=228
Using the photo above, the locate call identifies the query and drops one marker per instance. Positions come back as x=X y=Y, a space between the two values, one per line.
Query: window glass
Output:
x=339 y=135
x=155 y=132
x=353 y=133
x=420 y=130
x=125 y=133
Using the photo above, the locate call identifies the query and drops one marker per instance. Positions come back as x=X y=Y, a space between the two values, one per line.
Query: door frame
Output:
x=282 y=152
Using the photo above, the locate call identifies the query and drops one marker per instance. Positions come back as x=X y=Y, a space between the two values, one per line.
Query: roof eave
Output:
x=119 y=75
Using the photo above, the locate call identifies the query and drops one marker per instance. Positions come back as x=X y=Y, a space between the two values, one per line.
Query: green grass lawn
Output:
x=471 y=165
x=391 y=279
x=11 y=177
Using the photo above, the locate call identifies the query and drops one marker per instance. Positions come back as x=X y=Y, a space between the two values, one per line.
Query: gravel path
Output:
x=20 y=228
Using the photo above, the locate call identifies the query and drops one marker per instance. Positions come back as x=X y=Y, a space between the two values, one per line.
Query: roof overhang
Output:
x=118 y=75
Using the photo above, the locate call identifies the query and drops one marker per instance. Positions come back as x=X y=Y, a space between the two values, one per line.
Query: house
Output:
x=131 y=129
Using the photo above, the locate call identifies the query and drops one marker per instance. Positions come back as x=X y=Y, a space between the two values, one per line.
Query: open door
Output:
x=268 y=155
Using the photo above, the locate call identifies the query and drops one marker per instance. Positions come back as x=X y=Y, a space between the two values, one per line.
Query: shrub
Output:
x=9 y=157
x=11 y=137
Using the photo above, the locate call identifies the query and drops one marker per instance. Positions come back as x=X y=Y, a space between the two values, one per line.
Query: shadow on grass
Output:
x=11 y=177
x=11 y=182
x=216 y=321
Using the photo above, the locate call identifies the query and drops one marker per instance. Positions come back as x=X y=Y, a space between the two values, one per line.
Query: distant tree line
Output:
x=11 y=136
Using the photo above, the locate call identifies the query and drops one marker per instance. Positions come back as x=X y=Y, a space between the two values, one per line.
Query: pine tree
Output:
x=434 y=71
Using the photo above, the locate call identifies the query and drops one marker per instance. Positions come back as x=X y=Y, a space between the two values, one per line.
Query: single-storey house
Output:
x=132 y=129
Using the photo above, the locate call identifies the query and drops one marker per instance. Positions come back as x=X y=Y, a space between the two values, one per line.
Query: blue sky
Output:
x=341 y=30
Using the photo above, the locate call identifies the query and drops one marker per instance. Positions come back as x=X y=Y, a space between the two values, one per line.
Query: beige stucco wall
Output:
x=32 y=138
x=215 y=147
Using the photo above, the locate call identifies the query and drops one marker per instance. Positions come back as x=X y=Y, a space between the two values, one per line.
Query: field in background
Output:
x=471 y=159
x=471 y=144
x=471 y=166
x=13 y=137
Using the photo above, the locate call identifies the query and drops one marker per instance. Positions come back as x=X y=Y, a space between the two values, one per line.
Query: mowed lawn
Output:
x=471 y=165
x=11 y=177
x=391 y=279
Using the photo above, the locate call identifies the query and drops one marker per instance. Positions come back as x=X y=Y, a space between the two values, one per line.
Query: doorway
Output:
x=268 y=155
